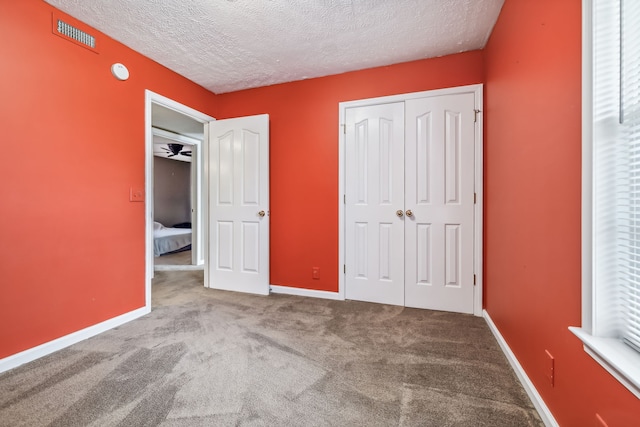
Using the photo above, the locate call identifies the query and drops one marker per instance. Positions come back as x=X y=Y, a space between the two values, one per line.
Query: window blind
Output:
x=630 y=135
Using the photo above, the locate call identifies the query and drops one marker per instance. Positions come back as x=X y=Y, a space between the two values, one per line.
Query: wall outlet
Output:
x=136 y=194
x=551 y=367
x=315 y=273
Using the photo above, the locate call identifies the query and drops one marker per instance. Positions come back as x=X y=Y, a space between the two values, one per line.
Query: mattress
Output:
x=168 y=239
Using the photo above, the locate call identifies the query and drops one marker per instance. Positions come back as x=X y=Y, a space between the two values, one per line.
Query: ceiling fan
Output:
x=176 y=149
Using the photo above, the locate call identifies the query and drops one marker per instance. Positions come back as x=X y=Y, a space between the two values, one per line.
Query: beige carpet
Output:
x=179 y=261
x=213 y=358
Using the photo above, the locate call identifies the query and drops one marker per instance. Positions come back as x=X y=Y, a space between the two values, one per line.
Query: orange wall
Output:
x=304 y=154
x=72 y=252
x=532 y=207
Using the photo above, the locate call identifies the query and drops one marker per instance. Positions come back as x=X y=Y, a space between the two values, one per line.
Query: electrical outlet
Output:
x=315 y=273
x=136 y=195
x=551 y=372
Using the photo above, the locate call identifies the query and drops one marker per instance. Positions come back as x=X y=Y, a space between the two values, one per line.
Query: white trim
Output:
x=536 y=399
x=477 y=90
x=479 y=186
x=286 y=290
x=155 y=98
x=587 y=165
x=205 y=202
x=341 y=198
x=42 y=350
x=614 y=356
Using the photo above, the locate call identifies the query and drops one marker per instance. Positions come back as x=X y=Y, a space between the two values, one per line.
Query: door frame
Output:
x=477 y=90
x=155 y=98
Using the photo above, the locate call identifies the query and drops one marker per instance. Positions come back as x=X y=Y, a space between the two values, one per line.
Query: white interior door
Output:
x=439 y=188
x=238 y=178
x=374 y=201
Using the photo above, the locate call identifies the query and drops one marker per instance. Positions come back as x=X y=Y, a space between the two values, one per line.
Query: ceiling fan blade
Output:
x=186 y=153
x=175 y=148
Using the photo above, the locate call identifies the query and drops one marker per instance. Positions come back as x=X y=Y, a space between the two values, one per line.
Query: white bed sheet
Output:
x=167 y=239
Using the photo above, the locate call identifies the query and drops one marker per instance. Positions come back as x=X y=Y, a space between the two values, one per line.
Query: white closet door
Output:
x=439 y=190
x=239 y=205
x=374 y=195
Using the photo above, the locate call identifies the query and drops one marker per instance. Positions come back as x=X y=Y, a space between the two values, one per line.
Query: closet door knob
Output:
x=409 y=213
x=261 y=214
x=399 y=213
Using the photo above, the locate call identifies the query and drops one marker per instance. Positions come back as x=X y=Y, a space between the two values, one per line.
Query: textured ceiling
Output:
x=229 y=45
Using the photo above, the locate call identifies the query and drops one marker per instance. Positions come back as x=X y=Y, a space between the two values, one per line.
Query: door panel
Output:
x=239 y=192
x=440 y=188
x=375 y=191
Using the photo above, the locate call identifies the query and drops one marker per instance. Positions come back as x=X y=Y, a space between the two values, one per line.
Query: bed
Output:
x=170 y=239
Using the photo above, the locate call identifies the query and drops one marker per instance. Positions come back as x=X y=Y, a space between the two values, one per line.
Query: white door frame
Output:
x=155 y=98
x=477 y=90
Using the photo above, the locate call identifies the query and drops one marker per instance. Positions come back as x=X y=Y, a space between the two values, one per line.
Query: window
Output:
x=611 y=188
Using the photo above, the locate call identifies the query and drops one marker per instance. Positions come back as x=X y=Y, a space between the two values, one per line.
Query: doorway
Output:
x=169 y=122
x=177 y=204
x=233 y=194
x=411 y=208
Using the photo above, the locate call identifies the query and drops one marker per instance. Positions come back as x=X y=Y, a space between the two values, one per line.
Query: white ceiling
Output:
x=229 y=45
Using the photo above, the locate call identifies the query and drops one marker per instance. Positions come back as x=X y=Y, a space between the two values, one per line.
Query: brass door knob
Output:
x=399 y=213
x=409 y=213
x=261 y=213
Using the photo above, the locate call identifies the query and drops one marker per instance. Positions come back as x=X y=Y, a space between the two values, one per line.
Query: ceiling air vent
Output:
x=73 y=33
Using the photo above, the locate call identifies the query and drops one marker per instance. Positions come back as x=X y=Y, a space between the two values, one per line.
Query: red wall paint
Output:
x=73 y=144
x=532 y=207
x=304 y=154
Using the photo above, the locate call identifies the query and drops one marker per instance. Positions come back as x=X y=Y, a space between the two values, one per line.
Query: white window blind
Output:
x=630 y=117
x=616 y=170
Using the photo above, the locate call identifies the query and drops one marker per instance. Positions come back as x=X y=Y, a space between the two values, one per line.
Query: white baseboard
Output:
x=541 y=407
x=305 y=292
x=34 y=353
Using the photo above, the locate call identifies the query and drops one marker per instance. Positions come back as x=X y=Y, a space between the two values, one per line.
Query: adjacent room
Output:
x=265 y=129
x=177 y=205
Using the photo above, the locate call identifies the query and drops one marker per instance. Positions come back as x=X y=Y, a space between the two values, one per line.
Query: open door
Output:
x=238 y=223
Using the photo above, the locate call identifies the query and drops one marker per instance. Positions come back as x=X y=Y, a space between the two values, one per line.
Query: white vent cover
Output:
x=76 y=34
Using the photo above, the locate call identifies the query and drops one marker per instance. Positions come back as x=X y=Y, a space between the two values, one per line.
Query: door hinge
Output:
x=475 y=115
x=344 y=199
x=474 y=280
x=344 y=268
x=475 y=198
x=344 y=129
